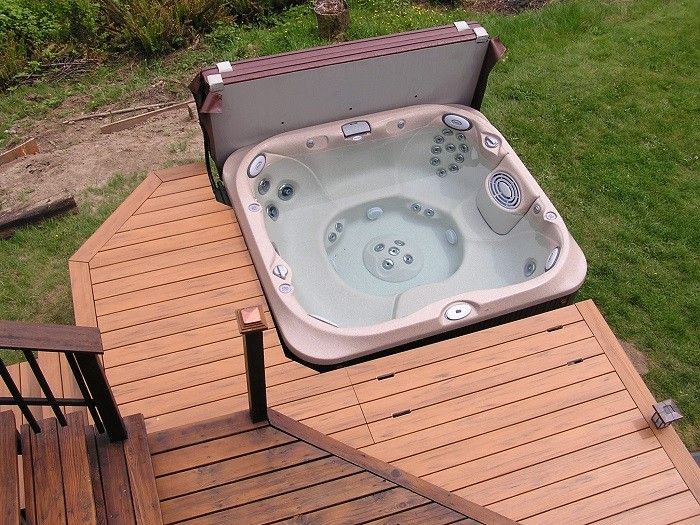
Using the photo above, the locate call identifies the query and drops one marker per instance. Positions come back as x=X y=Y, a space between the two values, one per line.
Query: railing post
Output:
x=251 y=324
x=101 y=395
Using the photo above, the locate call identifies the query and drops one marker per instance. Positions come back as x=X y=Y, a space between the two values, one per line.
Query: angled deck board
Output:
x=538 y=419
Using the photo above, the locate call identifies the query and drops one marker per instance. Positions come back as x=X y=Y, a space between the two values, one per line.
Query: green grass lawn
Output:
x=600 y=99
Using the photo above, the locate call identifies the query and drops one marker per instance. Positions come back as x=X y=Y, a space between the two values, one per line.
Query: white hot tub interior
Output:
x=377 y=225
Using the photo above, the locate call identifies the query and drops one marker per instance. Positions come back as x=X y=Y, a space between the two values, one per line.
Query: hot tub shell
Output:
x=309 y=335
x=312 y=335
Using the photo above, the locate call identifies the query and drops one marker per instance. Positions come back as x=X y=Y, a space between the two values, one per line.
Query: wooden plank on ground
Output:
x=431 y=513
x=130 y=122
x=668 y=437
x=202 y=431
x=155 y=286
x=30 y=147
x=98 y=239
x=28 y=473
x=463 y=363
x=301 y=501
x=220 y=407
x=182 y=305
x=220 y=351
x=491 y=398
x=378 y=505
x=9 y=475
x=95 y=476
x=680 y=509
x=83 y=299
x=142 y=481
x=77 y=485
x=519 y=434
x=47 y=473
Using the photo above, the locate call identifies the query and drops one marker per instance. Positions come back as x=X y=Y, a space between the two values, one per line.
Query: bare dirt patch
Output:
x=639 y=360
x=76 y=156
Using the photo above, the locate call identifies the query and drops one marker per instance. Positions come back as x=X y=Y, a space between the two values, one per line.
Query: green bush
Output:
x=153 y=27
x=13 y=59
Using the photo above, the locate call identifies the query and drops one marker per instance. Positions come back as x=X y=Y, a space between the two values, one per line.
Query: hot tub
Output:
x=376 y=231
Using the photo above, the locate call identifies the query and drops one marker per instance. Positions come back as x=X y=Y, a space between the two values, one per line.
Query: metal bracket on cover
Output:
x=665 y=413
x=461 y=26
x=224 y=67
x=213 y=102
x=216 y=82
x=481 y=34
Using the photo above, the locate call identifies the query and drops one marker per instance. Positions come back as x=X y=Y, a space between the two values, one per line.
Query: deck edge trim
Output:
x=668 y=438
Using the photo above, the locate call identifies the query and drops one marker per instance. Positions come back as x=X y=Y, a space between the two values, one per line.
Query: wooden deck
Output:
x=228 y=470
x=543 y=420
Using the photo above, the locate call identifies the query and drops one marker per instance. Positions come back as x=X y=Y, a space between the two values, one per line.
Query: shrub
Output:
x=153 y=27
x=13 y=59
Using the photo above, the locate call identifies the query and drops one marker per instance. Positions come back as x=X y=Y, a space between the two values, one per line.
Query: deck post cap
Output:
x=251 y=319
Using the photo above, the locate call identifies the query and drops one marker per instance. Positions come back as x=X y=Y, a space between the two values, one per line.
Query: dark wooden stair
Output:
x=73 y=475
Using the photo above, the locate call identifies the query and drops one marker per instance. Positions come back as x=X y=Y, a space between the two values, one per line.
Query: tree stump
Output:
x=332 y=17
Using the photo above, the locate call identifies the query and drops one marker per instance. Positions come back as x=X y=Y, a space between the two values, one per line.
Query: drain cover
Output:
x=393 y=264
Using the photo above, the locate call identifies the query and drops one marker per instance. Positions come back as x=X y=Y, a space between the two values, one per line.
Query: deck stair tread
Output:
x=496 y=416
x=72 y=475
x=9 y=472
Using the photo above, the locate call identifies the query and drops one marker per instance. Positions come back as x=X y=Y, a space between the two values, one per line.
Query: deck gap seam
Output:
x=252 y=476
x=106 y=316
x=474 y=391
x=607 y=490
x=180 y=247
x=574 y=475
x=549 y=459
x=159 y=269
x=492 y=408
x=527 y=443
x=501 y=363
x=164 y=267
x=480 y=349
x=501 y=428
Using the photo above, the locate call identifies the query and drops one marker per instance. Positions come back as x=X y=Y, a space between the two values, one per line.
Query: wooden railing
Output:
x=82 y=348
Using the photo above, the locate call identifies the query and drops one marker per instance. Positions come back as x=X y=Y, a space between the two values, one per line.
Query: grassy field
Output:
x=601 y=100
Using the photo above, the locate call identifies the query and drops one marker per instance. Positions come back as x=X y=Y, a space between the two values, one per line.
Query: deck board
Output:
x=539 y=419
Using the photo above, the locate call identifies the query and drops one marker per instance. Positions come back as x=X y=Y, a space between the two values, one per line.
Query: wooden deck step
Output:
x=74 y=476
x=75 y=468
x=9 y=474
